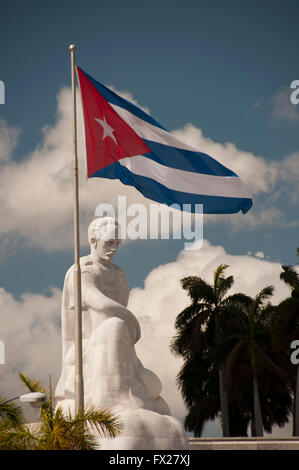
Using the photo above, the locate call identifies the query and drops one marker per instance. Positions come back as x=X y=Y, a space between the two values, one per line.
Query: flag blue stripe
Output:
x=113 y=98
x=187 y=160
x=153 y=190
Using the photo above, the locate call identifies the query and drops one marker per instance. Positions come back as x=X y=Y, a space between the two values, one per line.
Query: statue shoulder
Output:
x=118 y=271
x=86 y=265
x=116 y=268
x=121 y=278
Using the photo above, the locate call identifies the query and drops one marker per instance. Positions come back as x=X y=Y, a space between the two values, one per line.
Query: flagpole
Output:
x=79 y=386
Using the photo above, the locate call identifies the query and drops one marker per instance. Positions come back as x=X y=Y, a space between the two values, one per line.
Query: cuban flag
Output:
x=125 y=143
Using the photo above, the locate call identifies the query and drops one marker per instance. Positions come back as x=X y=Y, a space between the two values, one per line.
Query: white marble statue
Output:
x=114 y=377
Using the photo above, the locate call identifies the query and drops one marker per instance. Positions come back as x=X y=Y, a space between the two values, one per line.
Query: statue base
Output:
x=142 y=430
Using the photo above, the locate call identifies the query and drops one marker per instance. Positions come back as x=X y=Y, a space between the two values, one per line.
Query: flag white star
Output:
x=107 y=130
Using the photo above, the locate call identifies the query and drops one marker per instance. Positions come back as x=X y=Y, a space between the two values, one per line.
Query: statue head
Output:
x=103 y=239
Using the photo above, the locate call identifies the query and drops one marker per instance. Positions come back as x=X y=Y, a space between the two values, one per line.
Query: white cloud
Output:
x=30 y=330
x=282 y=108
x=290 y=168
x=290 y=177
x=8 y=140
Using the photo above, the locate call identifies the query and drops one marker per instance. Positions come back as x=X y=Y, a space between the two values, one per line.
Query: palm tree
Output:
x=287 y=328
x=198 y=380
x=249 y=345
x=56 y=431
x=199 y=329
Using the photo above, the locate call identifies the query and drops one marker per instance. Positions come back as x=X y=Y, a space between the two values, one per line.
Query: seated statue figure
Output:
x=114 y=377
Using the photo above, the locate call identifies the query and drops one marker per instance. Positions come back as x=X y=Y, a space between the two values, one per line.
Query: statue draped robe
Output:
x=114 y=377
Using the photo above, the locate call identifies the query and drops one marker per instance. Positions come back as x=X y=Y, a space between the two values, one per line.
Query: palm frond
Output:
x=187 y=315
x=262 y=297
x=285 y=322
x=32 y=384
x=100 y=419
x=237 y=299
x=190 y=337
x=17 y=437
x=218 y=274
x=200 y=413
x=197 y=289
x=290 y=276
x=219 y=271
x=233 y=318
x=11 y=412
x=46 y=410
x=223 y=286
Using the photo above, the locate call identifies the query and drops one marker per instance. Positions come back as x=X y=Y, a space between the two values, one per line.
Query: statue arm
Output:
x=94 y=299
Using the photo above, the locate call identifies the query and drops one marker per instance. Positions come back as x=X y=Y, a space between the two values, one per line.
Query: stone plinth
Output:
x=249 y=443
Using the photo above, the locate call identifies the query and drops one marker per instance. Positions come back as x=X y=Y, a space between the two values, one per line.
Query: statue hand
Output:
x=128 y=317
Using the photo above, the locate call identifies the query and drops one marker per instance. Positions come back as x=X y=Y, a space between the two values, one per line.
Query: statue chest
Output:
x=113 y=284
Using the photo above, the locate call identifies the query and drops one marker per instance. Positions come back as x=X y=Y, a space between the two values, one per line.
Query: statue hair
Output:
x=100 y=226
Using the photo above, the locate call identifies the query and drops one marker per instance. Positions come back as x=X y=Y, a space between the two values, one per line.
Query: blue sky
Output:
x=224 y=67
x=208 y=63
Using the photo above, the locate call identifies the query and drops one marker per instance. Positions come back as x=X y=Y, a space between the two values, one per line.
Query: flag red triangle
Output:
x=108 y=137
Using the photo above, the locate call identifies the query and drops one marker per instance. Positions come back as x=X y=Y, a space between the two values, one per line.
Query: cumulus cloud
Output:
x=271 y=216
x=259 y=254
x=290 y=168
x=36 y=193
x=30 y=330
x=282 y=107
x=8 y=140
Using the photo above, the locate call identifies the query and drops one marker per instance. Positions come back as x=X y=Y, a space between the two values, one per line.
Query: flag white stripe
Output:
x=186 y=181
x=147 y=131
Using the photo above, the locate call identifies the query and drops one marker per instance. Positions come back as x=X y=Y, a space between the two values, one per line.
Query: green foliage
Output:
x=10 y=412
x=291 y=277
x=55 y=430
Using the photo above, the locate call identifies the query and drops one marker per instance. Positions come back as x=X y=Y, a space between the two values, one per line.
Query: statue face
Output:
x=105 y=249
